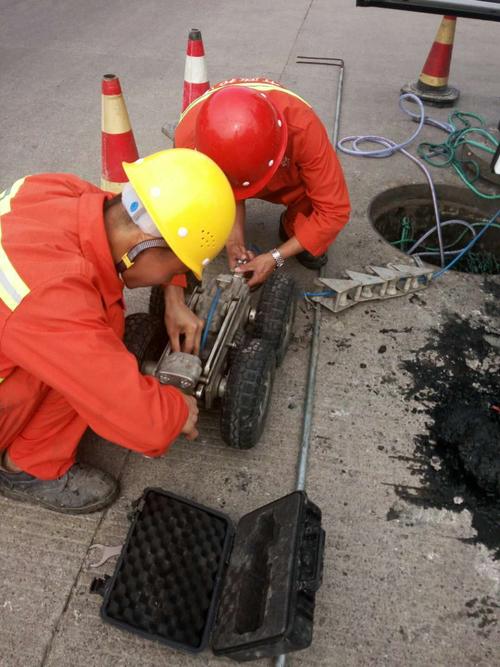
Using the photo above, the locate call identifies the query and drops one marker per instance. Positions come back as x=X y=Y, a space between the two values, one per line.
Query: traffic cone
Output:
x=432 y=85
x=118 y=143
x=195 y=71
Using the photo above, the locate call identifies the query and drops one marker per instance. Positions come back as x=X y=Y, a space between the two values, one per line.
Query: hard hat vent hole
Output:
x=207 y=239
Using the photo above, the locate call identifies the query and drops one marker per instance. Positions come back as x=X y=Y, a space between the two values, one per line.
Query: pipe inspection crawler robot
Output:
x=241 y=347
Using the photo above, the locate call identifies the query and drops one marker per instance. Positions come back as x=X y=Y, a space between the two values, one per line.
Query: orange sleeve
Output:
x=59 y=333
x=54 y=186
x=325 y=186
x=179 y=280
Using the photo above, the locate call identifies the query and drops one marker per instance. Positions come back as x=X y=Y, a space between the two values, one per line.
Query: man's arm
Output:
x=325 y=186
x=59 y=334
x=235 y=244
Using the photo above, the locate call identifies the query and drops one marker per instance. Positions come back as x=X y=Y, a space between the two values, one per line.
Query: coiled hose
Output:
x=389 y=147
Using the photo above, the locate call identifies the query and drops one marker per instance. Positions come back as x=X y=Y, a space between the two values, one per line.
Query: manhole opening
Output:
x=403 y=214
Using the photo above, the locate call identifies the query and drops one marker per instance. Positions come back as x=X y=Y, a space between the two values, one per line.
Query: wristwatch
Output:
x=277 y=257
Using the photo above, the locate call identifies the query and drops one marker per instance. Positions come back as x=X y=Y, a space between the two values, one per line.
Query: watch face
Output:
x=277 y=258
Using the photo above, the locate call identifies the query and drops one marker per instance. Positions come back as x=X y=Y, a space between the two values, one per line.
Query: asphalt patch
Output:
x=455 y=382
x=491 y=287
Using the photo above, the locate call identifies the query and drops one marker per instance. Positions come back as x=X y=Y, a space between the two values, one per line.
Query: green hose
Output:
x=473 y=262
x=445 y=154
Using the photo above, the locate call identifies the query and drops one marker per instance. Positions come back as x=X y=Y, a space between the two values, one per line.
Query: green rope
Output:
x=479 y=262
x=406 y=233
x=445 y=154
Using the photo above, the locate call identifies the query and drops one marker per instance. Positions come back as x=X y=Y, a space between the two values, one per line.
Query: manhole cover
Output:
x=403 y=214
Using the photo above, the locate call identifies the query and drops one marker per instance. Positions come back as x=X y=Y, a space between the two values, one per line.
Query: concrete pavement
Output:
x=405 y=583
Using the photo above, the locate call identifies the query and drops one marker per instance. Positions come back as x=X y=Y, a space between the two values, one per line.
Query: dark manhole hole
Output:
x=403 y=214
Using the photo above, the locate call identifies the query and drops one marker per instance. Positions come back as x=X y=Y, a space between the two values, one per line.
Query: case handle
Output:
x=99 y=585
x=311 y=559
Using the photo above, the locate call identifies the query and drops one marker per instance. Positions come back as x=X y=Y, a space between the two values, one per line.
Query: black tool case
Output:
x=187 y=578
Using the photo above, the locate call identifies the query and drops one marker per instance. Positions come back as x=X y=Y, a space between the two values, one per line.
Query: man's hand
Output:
x=237 y=251
x=260 y=267
x=263 y=265
x=190 y=430
x=235 y=245
x=180 y=321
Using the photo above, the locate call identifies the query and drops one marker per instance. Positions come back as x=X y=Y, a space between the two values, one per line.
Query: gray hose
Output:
x=392 y=147
x=432 y=229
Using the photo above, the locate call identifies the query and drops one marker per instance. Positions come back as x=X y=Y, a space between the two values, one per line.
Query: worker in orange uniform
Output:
x=66 y=251
x=271 y=145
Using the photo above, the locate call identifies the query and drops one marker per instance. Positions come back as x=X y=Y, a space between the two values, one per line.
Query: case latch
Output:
x=99 y=585
x=311 y=559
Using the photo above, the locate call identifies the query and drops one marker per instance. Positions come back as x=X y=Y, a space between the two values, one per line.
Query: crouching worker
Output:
x=271 y=145
x=66 y=251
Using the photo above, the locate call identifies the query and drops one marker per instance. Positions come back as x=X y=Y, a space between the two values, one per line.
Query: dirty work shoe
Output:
x=305 y=258
x=83 y=489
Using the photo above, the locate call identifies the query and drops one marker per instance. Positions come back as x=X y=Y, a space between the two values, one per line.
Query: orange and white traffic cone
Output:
x=195 y=71
x=432 y=85
x=118 y=143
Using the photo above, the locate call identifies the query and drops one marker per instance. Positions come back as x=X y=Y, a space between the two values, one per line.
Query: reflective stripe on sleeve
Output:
x=7 y=195
x=13 y=289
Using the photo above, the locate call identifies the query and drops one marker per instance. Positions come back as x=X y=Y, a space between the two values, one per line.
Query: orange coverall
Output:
x=309 y=181
x=63 y=365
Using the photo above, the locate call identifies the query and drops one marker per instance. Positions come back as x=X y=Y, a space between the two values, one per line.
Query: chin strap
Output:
x=131 y=255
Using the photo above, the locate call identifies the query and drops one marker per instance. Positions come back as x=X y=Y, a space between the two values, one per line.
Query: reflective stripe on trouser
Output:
x=38 y=426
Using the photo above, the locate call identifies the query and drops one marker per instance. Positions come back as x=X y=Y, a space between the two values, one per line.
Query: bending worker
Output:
x=66 y=250
x=271 y=145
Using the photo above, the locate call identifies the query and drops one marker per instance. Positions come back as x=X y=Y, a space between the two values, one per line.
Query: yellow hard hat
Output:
x=190 y=201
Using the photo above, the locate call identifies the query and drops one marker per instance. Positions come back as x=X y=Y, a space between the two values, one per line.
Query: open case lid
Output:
x=277 y=557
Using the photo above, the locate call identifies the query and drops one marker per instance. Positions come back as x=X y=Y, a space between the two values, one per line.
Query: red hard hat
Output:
x=245 y=134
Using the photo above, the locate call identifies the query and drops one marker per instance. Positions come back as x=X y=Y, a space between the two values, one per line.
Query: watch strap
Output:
x=278 y=258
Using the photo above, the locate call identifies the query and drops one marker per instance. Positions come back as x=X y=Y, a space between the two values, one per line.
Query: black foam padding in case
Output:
x=169 y=569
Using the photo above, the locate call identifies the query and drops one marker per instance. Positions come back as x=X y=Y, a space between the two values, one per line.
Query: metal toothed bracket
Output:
x=379 y=282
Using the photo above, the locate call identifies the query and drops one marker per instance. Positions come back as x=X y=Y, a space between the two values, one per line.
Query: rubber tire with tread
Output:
x=276 y=313
x=157 y=302
x=145 y=336
x=247 y=395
